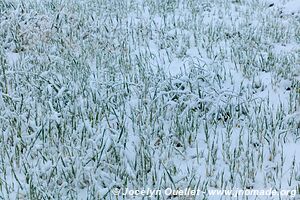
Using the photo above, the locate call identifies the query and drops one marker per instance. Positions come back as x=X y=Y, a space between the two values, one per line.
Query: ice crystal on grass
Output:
x=97 y=96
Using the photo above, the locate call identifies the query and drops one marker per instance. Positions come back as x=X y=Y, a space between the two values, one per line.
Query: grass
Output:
x=146 y=94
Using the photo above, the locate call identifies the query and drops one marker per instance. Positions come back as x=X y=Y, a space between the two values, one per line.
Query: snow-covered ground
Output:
x=100 y=96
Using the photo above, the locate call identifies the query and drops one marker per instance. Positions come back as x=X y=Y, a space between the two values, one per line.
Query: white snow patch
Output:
x=292 y=7
x=175 y=67
x=12 y=58
x=286 y=48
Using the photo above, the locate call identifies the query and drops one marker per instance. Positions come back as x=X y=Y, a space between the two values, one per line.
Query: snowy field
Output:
x=97 y=96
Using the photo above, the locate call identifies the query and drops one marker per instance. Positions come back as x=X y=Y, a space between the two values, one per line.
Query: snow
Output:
x=292 y=7
x=97 y=97
x=12 y=58
x=176 y=67
x=287 y=7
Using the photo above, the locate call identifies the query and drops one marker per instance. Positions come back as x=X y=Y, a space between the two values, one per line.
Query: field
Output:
x=97 y=96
